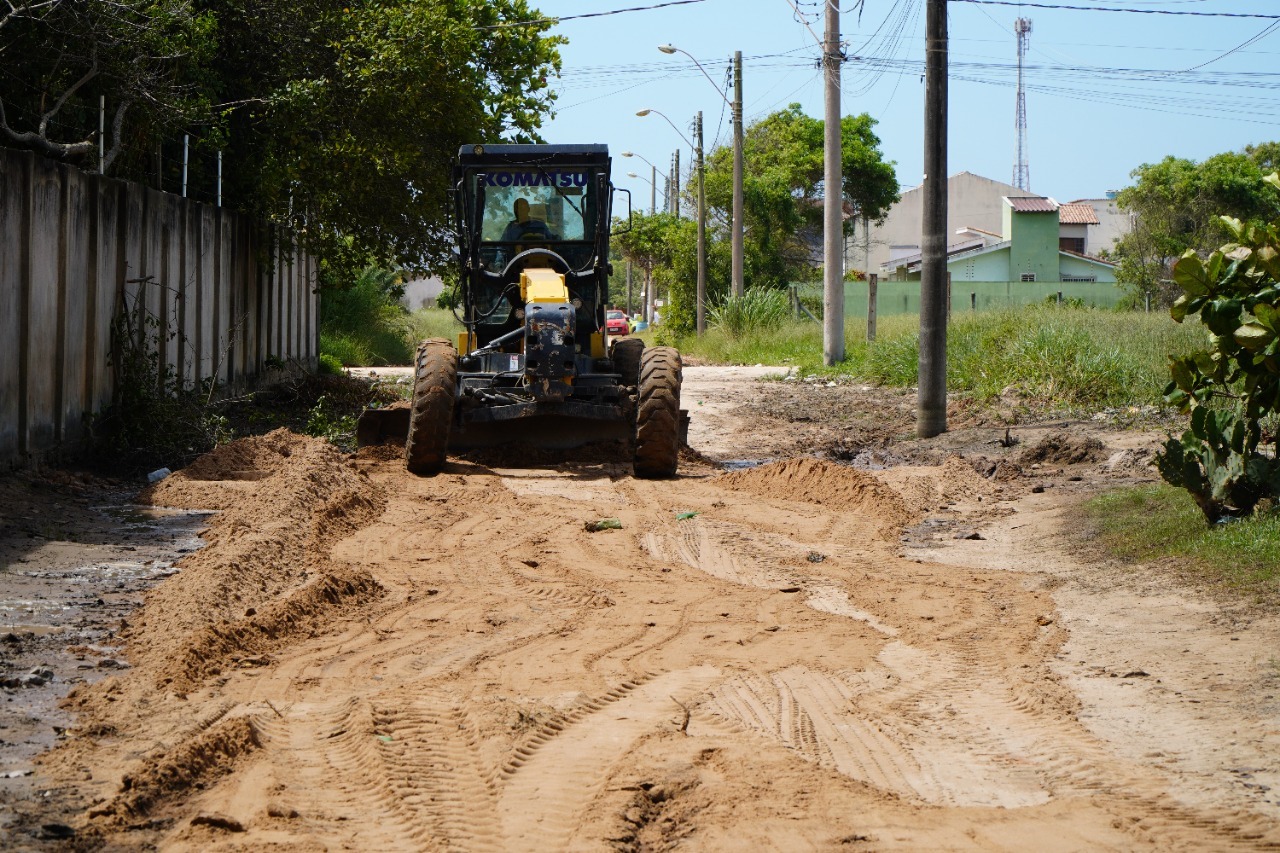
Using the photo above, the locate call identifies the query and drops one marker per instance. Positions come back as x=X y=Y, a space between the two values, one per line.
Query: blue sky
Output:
x=1106 y=91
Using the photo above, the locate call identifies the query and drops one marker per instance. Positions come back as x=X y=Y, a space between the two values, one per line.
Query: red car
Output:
x=615 y=323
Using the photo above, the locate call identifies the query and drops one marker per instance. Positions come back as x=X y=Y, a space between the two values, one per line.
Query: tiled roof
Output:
x=1083 y=256
x=1077 y=214
x=1032 y=204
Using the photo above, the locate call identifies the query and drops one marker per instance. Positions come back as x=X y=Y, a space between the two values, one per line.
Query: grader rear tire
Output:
x=657 y=450
x=435 y=385
x=626 y=355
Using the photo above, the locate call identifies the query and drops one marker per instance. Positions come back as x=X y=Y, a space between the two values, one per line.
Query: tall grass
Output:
x=760 y=309
x=433 y=323
x=364 y=324
x=1060 y=356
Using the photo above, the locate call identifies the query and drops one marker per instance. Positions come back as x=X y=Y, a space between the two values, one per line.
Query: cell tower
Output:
x=1021 y=168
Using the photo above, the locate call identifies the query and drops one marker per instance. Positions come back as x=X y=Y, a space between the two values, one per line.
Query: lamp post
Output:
x=735 y=106
x=653 y=181
x=700 y=312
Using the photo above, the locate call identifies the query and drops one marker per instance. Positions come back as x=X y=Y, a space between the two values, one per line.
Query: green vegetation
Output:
x=364 y=324
x=1056 y=357
x=341 y=119
x=1159 y=522
x=758 y=311
x=1175 y=205
x=433 y=323
x=1233 y=385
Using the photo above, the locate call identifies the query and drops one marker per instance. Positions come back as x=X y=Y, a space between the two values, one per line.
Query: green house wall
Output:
x=1035 y=244
x=1073 y=266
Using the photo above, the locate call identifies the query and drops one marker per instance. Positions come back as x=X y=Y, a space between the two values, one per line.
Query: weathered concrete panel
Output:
x=110 y=273
x=41 y=344
x=77 y=290
x=206 y=333
x=76 y=250
x=15 y=248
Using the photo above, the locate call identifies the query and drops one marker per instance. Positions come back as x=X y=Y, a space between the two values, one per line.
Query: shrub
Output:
x=1230 y=388
x=329 y=365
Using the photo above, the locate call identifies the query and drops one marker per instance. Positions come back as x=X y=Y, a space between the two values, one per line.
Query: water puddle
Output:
x=62 y=602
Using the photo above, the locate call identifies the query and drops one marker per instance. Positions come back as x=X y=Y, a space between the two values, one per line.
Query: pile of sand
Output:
x=266 y=574
x=821 y=482
x=924 y=490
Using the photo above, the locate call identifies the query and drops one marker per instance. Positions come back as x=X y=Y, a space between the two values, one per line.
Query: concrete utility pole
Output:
x=739 y=288
x=931 y=404
x=675 y=184
x=833 y=196
x=701 y=313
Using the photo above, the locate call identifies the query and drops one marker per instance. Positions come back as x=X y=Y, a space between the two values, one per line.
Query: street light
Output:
x=735 y=106
x=653 y=184
x=700 y=312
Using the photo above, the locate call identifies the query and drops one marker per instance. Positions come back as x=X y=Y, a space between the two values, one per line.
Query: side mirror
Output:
x=628 y=228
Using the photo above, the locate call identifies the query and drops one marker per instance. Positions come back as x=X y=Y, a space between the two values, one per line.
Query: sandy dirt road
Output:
x=796 y=656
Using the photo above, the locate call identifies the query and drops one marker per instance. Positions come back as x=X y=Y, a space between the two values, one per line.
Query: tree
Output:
x=60 y=56
x=783 y=189
x=354 y=113
x=1174 y=206
x=340 y=119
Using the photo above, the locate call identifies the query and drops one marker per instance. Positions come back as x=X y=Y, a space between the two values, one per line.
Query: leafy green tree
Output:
x=1175 y=205
x=364 y=106
x=341 y=118
x=783 y=189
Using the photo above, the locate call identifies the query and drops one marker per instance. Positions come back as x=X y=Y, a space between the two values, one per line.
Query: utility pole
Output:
x=931 y=404
x=833 y=196
x=653 y=189
x=701 y=311
x=738 y=287
x=675 y=184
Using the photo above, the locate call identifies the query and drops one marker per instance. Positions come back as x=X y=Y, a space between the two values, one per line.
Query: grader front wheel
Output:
x=435 y=384
x=657 y=450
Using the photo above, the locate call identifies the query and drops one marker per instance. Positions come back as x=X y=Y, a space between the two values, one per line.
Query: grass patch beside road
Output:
x=1148 y=523
x=1054 y=356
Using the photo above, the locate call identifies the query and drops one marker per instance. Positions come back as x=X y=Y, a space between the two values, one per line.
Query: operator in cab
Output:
x=524 y=227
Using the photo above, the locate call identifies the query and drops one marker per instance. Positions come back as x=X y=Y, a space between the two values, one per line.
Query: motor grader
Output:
x=534 y=365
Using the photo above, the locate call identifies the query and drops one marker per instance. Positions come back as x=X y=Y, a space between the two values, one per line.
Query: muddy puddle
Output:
x=69 y=578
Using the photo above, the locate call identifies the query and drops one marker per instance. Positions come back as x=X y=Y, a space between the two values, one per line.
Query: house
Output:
x=972 y=201
x=1034 y=244
x=976 y=204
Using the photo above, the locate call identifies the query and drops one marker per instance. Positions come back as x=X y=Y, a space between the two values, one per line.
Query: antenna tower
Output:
x=1021 y=168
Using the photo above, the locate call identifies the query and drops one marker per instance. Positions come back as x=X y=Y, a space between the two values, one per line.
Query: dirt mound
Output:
x=925 y=489
x=1063 y=448
x=266 y=574
x=821 y=482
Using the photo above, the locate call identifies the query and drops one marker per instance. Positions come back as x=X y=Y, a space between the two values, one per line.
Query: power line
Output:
x=507 y=24
x=1122 y=9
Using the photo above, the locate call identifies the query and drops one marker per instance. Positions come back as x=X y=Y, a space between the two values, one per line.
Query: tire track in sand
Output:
x=554 y=778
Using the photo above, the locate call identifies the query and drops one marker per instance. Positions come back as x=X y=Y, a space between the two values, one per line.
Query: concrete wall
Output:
x=903 y=297
x=76 y=248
